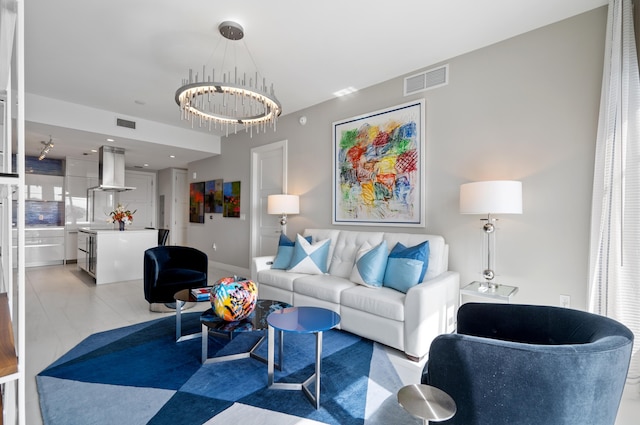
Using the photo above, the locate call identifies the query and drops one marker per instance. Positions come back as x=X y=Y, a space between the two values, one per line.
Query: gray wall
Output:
x=523 y=109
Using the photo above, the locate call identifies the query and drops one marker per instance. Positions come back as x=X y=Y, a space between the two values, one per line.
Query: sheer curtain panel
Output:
x=614 y=288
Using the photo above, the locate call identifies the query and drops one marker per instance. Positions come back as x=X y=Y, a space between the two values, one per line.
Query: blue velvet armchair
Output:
x=523 y=364
x=169 y=269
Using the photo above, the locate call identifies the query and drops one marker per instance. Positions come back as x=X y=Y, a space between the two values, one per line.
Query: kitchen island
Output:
x=113 y=255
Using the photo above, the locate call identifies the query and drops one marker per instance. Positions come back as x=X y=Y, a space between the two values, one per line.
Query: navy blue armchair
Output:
x=169 y=269
x=524 y=364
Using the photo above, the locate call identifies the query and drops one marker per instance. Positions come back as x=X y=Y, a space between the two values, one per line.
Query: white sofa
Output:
x=407 y=322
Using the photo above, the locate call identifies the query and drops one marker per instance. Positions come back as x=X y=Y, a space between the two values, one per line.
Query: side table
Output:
x=300 y=320
x=427 y=403
x=498 y=293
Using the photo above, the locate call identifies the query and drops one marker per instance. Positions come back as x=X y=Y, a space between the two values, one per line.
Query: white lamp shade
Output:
x=491 y=197
x=283 y=204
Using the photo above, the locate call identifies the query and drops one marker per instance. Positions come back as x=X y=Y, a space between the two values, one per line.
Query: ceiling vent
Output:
x=427 y=80
x=125 y=123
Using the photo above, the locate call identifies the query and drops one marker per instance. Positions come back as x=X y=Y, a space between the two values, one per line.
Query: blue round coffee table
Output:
x=300 y=320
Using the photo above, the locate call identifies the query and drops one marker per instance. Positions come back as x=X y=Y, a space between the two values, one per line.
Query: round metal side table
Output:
x=427 y=403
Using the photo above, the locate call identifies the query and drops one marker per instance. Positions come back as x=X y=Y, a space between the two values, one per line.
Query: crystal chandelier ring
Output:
x=190 y=96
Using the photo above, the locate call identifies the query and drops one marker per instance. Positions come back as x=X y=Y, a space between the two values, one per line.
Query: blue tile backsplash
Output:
x=42 y=213
x=47 y=166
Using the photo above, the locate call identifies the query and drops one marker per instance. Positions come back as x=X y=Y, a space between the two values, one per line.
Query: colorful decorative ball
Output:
x=233 y=298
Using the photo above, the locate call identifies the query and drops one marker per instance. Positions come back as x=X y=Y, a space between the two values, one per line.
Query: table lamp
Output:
x=491 y=197
x=283 y=205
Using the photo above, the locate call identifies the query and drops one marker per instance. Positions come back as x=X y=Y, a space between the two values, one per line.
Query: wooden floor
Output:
x=64 y=306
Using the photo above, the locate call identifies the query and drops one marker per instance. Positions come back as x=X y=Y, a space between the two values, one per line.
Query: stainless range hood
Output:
x=111 y=170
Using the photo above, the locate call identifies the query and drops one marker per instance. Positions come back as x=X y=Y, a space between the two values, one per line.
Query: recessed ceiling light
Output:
x=94 y=150
x=345 y=92
x=172 y=156
x=110 y=140
x=146 y=165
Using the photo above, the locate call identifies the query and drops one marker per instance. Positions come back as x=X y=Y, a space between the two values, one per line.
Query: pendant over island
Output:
x=112 y=255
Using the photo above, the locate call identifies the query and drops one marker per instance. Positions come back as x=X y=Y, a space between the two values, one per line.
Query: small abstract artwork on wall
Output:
x=213 y=196
x=378 y=174
x=196 y=202
x=231 y=207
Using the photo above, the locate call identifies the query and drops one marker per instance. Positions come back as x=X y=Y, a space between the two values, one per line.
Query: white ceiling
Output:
x=130 y=56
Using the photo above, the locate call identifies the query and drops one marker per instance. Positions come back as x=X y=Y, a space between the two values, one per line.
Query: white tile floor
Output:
x=64 y=306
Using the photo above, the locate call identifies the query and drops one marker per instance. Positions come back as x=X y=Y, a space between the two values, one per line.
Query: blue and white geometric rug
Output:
x=139 y=375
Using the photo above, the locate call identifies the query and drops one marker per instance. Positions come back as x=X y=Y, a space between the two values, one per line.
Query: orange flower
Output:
x=121 y=213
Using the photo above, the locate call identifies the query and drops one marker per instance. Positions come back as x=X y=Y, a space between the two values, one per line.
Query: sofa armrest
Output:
x=260 y=263
x=430 y=310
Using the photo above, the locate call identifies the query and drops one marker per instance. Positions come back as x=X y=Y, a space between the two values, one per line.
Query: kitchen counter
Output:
x=113 y=255
x=96 y=230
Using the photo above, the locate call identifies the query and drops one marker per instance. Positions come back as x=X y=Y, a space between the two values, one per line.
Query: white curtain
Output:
x=7 y=29
x=615 y=224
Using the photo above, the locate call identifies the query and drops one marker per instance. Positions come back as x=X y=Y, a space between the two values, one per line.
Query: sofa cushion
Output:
x=384 y=302
x=347 y=246
x=406 y=267
x=370 y=265
x=308 y=257
x=277 y=278
x=285 y=252
x=323 y=287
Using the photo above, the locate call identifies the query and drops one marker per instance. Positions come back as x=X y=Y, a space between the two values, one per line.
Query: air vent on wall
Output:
x=427 y=80
x=125 y=123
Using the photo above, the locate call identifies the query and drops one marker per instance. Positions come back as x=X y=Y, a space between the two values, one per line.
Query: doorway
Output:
x=268 y=177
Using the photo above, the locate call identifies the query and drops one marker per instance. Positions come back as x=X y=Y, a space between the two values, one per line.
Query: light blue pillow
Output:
x=370 y=265
x=285 y=252
x=309 y=258
x=406 y=267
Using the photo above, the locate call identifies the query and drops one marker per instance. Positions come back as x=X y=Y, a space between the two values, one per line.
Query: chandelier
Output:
x=230 y=103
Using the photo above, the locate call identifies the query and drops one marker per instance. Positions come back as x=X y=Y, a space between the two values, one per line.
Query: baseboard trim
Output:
x=238 y=271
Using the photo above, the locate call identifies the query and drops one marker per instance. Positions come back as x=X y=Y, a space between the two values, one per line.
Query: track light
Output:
x=45 y=150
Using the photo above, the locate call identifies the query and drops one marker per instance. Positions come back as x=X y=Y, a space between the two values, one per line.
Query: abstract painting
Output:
x=196 y=202
x=231 y=207
x=213 y=196
x=378 y=174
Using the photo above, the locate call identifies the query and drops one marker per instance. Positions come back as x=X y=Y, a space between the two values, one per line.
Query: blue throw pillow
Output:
x=370 y=265
x=285 y=252
x=406 y=267
x=309 y=258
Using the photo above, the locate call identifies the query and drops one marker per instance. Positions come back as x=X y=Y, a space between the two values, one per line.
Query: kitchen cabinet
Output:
x=142 y=199
x=80 y=175
x=42 y=246
x=113 y=255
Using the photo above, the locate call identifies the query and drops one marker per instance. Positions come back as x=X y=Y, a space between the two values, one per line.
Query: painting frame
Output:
x=231 y=206
x=196 y=202
x=378 y=170
x=213 y=196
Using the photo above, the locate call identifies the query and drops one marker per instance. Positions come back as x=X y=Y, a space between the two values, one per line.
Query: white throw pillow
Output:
x=309 y=258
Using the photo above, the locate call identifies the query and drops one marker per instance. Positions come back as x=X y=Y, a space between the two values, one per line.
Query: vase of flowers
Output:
x=122 y=215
